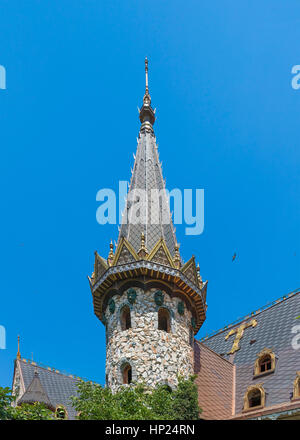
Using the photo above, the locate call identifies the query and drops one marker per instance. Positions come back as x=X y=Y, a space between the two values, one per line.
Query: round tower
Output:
x=151 y=303
x=149 y=335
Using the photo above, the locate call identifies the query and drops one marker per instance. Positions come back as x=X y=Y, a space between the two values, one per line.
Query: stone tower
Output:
x=151 y=303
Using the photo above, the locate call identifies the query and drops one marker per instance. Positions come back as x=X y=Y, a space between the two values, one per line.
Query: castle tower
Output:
x=151 y=303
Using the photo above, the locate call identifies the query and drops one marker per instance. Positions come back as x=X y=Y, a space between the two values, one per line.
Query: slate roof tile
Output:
x=59 y=387
x=274 y=331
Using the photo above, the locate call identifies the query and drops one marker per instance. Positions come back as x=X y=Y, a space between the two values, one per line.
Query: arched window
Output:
x=125 y=318
x=127 y=374
x=296 y=390
x=191 y=337
x=60 y=412
x=265 y=362
x=106 y=334
x=254 y=398
x=164 y=322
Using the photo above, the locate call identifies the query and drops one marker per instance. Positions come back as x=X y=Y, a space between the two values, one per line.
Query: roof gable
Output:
x=58 y=387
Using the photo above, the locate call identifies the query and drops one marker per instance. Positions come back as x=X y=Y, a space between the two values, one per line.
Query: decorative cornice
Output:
x=153 y=270
x=161 y=244
x=124 y=243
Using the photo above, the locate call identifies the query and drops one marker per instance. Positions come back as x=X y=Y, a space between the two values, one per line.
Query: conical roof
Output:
x=36 y=393
x=147 y=206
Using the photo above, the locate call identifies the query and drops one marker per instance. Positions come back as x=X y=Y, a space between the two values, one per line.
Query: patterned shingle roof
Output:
x=59 y=387
x=155 y=219
x=274 y=331
x=147 y=175
x=36 y=393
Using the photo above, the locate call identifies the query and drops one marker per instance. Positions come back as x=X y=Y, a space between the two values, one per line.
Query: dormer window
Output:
x=265 y=362
x=254 y=398
x=60 y=412
x=296 y=390
x=125 y=318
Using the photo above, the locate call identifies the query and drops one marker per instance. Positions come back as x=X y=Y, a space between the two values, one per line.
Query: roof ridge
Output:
x=50 y=369
x=255 y=313
x=210 y=349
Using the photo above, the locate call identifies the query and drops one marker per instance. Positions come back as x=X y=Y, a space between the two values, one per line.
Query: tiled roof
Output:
x=59 y=387
x=215 y=380
x=274 y=331
x=35 y=393
x=147 y=175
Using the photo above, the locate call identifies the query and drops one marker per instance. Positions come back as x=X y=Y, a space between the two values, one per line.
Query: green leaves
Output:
x=186 y=405
x=137 y=402
x=5 y=403
x=37 y=411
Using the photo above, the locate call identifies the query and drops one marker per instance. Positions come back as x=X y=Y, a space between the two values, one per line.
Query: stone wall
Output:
x=155 y=356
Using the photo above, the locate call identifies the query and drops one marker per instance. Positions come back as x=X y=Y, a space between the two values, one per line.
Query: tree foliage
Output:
x=94 y=402
x=37 y=411
x=5 y=403
x=135 y=402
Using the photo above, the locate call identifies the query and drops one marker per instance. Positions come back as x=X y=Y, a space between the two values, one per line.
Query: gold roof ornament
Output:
x=199 y=276
x=177 y=261
x=18 y=353
x=147 y=114
x=239 y=331
x=147 y=97
x=143 y=252
x=111 y=255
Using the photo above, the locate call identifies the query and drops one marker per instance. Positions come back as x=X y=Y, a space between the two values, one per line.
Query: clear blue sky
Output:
x=227 y=121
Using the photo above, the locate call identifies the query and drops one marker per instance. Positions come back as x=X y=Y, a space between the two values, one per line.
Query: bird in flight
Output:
x=234 y=257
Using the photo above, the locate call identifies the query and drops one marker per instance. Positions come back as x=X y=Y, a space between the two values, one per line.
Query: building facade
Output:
x=152 y=305
x=149 y=301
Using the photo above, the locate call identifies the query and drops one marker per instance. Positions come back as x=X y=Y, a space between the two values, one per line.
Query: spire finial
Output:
x=147 y=114
x=111 y=255
x=176 y=259
x=146 y=73
x=142 y=252
x=18 y=353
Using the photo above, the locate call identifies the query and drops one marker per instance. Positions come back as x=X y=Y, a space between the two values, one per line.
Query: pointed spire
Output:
x=146 y=75
x=147 y=116
x=155 y=220
x=198 y=275
x=36 y=393
x=18 y=353
x=176 y=258
x=111 y=255
x=143 y=250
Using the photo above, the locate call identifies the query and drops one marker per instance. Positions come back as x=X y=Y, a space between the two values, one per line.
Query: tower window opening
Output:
x=254 y=398
x=127 y=374
x=125 y=318
x=191 y=337
x=167 y=388
x=265 y=364
x=164 y=320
